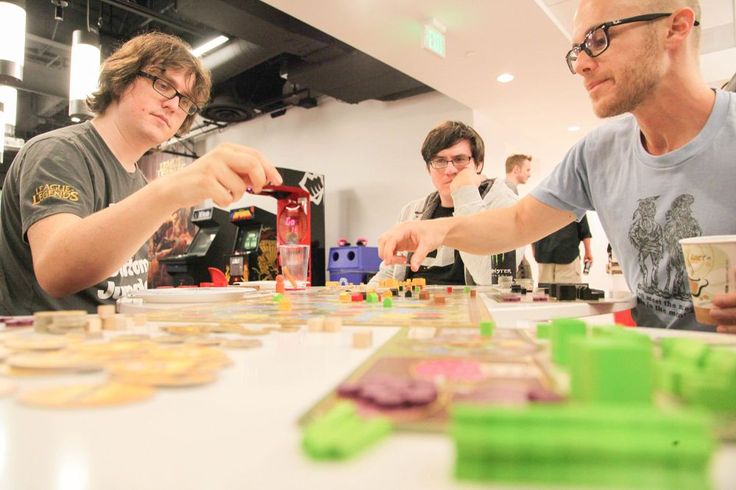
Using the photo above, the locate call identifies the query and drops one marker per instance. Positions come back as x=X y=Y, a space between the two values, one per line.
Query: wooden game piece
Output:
x=407 y=294
x=104 y=311
x=42 y=320
x=449 y=290
x=86 y=395
x=418 y=281
x=486 y=328
x=280 y=286
x=94 y=326
x=333 y=324
x=424 y=295
x=284 y=304
x=289 y=277
x=344 y=297
x=357 y=297
x=473 y=293
x=439 y=299
x=316 y=324
x=114 y=322
x=139 y=319
x=362 y=339
x=388 y=302
x=332 y=284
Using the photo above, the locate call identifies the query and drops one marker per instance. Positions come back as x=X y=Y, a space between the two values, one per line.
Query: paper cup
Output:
x=294 y=261
x=710 y=262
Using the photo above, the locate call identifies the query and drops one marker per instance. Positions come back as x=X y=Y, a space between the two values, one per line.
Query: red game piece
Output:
x=280 y=286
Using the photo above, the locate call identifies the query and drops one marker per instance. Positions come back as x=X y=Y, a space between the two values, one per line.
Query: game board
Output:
x=459 y=310
x=464 y=366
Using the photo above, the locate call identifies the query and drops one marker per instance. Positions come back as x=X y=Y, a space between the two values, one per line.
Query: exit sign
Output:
x=433 y=38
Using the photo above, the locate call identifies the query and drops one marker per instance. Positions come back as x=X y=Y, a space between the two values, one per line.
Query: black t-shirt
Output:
x=562 y=246
x=441 y=274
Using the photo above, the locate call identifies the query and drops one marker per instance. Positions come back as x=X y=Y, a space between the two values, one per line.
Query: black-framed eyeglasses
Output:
x=458 y=161
x=596 y=40
x=167 y=90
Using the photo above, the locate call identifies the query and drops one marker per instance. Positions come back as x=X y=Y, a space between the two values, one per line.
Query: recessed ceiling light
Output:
x=505 y=77
x=574 y=128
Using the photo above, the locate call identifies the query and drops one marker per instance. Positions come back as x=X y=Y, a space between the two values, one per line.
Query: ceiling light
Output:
x=2 y=133
x=573 y=128
x=85 y=68
x=9 y=99
x=12 y=40
x=209 y=45
x=505 y=77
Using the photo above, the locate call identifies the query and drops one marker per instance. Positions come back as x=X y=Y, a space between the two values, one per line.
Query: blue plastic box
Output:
x=354 y=263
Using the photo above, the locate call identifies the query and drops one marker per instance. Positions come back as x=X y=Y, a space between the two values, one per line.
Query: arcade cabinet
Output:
x=209 y=248
x=300 y=216
x=253 y=257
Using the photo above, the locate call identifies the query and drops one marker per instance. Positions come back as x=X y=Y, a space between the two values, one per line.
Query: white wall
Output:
x=368 y=152
x=370 y=156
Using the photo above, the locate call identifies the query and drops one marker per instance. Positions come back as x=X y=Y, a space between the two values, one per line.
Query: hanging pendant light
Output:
x=9 y=99
x=85 y=66
x=2 y=133
x=12 y=40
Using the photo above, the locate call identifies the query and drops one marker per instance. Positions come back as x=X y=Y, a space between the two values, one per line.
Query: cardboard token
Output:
x=53 y=361
x=241 y=343
x=12 y=372
x=7 y=387
x=206 y=341
x=253 y=331
x=131 y=337
x=186 y=330
x=86 y=395
x=287 y=329
x=36 y=342
x=168 y=339
x=168 y=381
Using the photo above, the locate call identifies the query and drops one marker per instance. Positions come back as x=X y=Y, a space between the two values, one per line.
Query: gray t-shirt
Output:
x=69 y=170
x=647 y=203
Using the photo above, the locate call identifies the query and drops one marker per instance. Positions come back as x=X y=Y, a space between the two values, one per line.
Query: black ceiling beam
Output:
x=155 y=16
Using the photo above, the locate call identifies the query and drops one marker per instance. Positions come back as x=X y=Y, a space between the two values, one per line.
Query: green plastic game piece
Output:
x=563 y=331
x=466 y=290
x=278 y=297
x=684 y=351
x=388 y=302
x=611 y=370
x=371 y=298
x=341 y=433
x=487 y=327
x=544 y=330
x=641 y=447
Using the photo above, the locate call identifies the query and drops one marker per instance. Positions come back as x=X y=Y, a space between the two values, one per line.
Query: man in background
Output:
x=558 y=254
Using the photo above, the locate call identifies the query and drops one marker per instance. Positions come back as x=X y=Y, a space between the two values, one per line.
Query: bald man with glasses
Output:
x=661 y=173
x=453 y=153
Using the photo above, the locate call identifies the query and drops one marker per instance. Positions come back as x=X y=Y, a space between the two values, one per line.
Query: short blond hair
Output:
x=516 y=160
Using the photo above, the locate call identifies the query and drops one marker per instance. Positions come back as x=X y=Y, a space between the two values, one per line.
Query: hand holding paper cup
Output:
x=710 y=263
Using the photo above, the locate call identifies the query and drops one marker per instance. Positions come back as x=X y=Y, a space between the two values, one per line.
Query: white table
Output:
x=237 y=433
x=508 y=314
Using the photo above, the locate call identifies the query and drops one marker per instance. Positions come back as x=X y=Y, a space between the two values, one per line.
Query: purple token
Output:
x=420 y=396
x=349 y=390
x=543 y=395
x=19 y=322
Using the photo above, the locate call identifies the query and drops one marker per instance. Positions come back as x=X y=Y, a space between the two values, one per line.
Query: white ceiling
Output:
x=487 y=37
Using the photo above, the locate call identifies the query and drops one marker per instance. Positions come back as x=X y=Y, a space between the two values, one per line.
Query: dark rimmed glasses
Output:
x=459 y=162
x=597 y=41
x=167 y=90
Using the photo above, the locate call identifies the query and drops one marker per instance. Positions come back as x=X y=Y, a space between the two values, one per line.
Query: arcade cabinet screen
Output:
x=250 y=240
x=202 y=241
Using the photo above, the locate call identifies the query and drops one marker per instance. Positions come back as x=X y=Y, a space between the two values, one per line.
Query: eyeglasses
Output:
x=459 y=162
x=596 y=40
x=167 y=90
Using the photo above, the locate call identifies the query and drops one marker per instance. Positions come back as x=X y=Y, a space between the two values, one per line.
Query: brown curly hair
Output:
x=153 y=51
